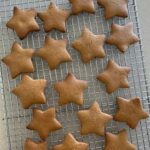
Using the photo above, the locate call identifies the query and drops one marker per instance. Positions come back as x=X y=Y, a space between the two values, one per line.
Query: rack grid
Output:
x=14 y=118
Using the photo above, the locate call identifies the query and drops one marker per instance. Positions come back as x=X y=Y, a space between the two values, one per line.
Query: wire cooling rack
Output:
x=13 y=118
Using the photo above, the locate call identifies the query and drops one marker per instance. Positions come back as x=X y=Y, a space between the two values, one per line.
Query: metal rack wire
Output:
x=14 y=118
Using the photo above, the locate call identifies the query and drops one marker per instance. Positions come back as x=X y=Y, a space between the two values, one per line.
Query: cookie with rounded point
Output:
x=23 y=22
x=130 y=111
x=89 y=45
x=79 y=6
x=31 y=145
x=93 y=120
x=54 y=52
x=54 y=18
x=70 y=90
x=118 y=141
x=44 y=122
x=114 y=76
x=19 y=60
x=114 y=8
x=30 y=91
x=70 y=143
x=122 y=36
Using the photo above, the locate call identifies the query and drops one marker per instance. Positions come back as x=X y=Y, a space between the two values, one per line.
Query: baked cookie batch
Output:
x=71 y=89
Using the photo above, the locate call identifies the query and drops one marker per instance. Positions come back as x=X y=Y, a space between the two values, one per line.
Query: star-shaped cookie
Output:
x=122 y=36
x=30 y=91
x=93 y=120
x=44 y=122
x=54 y=52
x=114 y=8
x=23 y=22
x=114 y=77
x=89 y=45
x=19 y=60
x=71 y=90
x=118 y=142
x=79 y=6
x=54 y=18
x=31 y=145
x=70 y=143
x=130 y=111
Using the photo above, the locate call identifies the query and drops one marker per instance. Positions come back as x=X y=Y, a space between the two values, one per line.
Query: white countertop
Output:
x=144 y=20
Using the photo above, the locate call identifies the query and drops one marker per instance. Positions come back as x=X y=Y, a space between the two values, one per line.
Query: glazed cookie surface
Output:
x=54 y=18
x=54 y=52
x=93 y=120
x=19 y=60
x=89 y=45
x=70 y=143
x=114 y=76
x=23 y=22
x=30 y=91
x=44 y=122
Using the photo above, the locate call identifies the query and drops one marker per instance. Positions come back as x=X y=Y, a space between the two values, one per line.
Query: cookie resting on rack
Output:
x=31 y=145
x=114 y=8
x=93 y=120
x=122 y=36
x=118 y=142
x=30 y=91
x=19 y=60
x=54 y=52
x=44 y=122
x=114 y=77
x=89 y=45
x=70 y=90
x=54 y=18
x=70 y=143
x=23 y=22
x=79 y=6
x=130 y=111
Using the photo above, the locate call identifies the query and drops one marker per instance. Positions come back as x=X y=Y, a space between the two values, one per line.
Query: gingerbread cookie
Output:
x=122 y=36
x=44 y=122
x=114 y=8
x=130 y=111
x=118 y=142
x=30 y=91
x=19 y=60
x=54 y=18
x=31 y=145
x=71 y=90
x=93 y=120
x=79 y=6
x=114 y=77
x=54 y=52
x=89 y=45
x=70 y=143
x=23 y=22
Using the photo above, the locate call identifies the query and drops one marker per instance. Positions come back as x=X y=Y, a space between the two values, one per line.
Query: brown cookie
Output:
x=130 y=111
x=19 y=60
x=44 y=122
x=114 y=77
x=70 y=143
x=93 y=120
x=118 y=142
x=122 y=36
x=70 y=90
x=114 y=8
x=31 y=145
x=54 y=52
x=89 y=45
x=79 y=6
x=30 y=91
x=23 y=22
x=54 y=18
